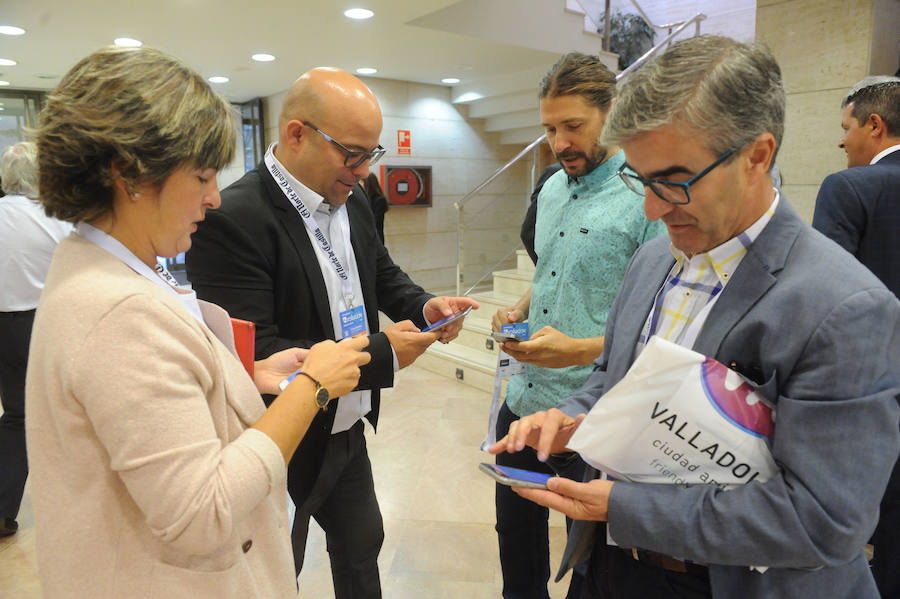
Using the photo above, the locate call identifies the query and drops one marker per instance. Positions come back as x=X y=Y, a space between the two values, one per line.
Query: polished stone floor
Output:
x=438 y=508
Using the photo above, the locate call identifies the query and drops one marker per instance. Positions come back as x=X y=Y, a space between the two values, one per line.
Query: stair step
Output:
x=511 y=282
x=477 y=368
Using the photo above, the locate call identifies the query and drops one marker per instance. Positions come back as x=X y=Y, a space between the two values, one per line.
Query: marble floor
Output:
x=438 y=508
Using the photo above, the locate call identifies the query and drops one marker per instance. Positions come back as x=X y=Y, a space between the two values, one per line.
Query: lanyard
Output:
x=313 y=227
x=160 y=276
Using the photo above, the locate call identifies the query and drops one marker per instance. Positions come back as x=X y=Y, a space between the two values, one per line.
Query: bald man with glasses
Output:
x=294 y=249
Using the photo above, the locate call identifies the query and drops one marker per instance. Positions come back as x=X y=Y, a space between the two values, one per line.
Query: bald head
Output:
x=323 y=93
x=327 y=115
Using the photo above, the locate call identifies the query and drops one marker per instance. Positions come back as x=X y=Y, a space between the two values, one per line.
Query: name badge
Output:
x=353 y=322
x=519 y=329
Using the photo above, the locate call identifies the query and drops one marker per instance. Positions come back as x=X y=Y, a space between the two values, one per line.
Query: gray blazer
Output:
x=820 y=337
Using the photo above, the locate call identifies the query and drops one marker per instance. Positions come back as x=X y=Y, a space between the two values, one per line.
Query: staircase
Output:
x=509 y=102
x=472 y=357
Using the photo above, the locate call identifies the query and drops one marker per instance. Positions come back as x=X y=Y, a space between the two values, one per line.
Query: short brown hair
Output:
x=136 y=108
x=580 y=74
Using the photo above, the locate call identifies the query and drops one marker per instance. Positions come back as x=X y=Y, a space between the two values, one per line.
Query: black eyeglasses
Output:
x=352 y=158
x=672 y=192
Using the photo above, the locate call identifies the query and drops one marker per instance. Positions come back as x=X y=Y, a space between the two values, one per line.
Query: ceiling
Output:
x=217 y=37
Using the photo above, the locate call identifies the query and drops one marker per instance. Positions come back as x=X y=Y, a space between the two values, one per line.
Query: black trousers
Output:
x=343 y=502
x=15 y=336
x=886 y=540
x=522 y=525
x=613 y=574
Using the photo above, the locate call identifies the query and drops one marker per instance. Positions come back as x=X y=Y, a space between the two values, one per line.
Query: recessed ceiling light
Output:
x=366 y=71
x=4 y=82
x=128 y=42
x=7 y=62
x=11 y=30
x=359 y=13
x=450 y=80
x=1 y=108
x=262 y=57
x=219 y=79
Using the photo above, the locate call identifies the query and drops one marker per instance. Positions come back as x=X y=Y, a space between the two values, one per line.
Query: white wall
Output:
x=423 y=240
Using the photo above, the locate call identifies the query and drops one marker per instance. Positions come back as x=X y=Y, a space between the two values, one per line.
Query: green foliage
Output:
x=629 y=36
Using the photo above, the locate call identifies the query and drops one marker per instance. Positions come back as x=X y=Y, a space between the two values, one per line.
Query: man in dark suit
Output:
x=859 y=208
x=294 y=249
x=741 y=279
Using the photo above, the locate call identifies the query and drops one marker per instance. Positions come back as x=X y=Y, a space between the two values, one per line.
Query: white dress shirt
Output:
x=27 y=240
x=335 y=225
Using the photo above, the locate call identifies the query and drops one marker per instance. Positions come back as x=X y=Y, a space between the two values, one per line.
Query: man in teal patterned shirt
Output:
x=588 y=226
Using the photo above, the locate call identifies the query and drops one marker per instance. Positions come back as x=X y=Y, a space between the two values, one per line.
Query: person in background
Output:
x=587 y=228
x=156 y=469
x=27 y=240
x=377 y=202
x=859 y=208
x=743 y=280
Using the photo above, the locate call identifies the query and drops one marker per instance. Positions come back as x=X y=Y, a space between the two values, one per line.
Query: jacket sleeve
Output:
x=147 y=401
x=231 y=265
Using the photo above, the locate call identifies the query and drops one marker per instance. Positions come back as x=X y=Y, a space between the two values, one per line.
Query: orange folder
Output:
x=245 y=342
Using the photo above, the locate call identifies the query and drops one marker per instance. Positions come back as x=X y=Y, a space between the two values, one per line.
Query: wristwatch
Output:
x=322 y=397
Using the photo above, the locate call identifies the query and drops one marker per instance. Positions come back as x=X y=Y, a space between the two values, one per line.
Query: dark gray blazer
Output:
x=820 y=336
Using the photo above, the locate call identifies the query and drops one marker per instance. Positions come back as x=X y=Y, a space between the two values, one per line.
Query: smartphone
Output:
x=445 y=321
x=503 y=337
x=515 y=477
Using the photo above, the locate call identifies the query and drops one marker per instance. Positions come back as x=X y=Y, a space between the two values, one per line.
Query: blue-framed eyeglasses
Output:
x=352 y=158
x=672 y=192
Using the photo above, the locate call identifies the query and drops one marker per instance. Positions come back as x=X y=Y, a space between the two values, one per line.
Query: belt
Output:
x=665 y=562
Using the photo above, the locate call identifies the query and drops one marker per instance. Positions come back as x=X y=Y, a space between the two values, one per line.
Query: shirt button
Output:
x=574 y=196
x=545 y=310
x=687 y=293
x=247 y=545
x=553 y=273
x=562 y=234
x=530 y=385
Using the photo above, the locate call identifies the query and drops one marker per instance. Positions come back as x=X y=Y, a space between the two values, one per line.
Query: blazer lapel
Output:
x=306 y=253
x=240 y=392
x=753 y=278
x=632 y=314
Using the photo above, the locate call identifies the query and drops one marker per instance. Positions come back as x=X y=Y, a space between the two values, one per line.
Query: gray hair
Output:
x=878 y=94
x=19 y=169
x=729 y=91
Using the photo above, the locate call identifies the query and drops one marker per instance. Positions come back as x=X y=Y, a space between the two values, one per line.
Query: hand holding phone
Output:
x=445 y=321
x=515 y=477
x=504 y=337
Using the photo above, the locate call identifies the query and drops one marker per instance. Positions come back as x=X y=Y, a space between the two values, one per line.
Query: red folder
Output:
x=245 y=342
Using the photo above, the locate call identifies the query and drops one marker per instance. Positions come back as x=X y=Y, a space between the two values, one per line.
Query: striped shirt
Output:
x=693 y=285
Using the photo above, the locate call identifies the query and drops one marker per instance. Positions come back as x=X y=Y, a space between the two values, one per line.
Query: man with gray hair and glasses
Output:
x=741 y=279
x=859 y=208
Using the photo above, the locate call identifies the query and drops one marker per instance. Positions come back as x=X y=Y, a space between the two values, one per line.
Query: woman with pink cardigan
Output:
x=157 y=471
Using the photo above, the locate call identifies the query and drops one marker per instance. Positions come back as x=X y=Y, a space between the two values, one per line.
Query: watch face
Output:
x=322 y=397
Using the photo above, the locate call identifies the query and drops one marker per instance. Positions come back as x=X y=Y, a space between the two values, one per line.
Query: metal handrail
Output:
x=459 y=205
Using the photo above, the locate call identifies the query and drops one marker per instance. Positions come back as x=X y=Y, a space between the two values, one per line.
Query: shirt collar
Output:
x=601 y=173
x=725 y=258
x=311 y=199
x=884 y=153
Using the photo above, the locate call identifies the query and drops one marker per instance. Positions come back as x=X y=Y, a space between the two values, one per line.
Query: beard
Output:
x=597 y=157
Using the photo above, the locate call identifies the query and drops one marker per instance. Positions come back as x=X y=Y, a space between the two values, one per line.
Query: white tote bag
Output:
x=678 y=417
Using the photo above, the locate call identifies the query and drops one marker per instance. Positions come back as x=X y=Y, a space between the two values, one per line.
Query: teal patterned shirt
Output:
x=587 y=230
